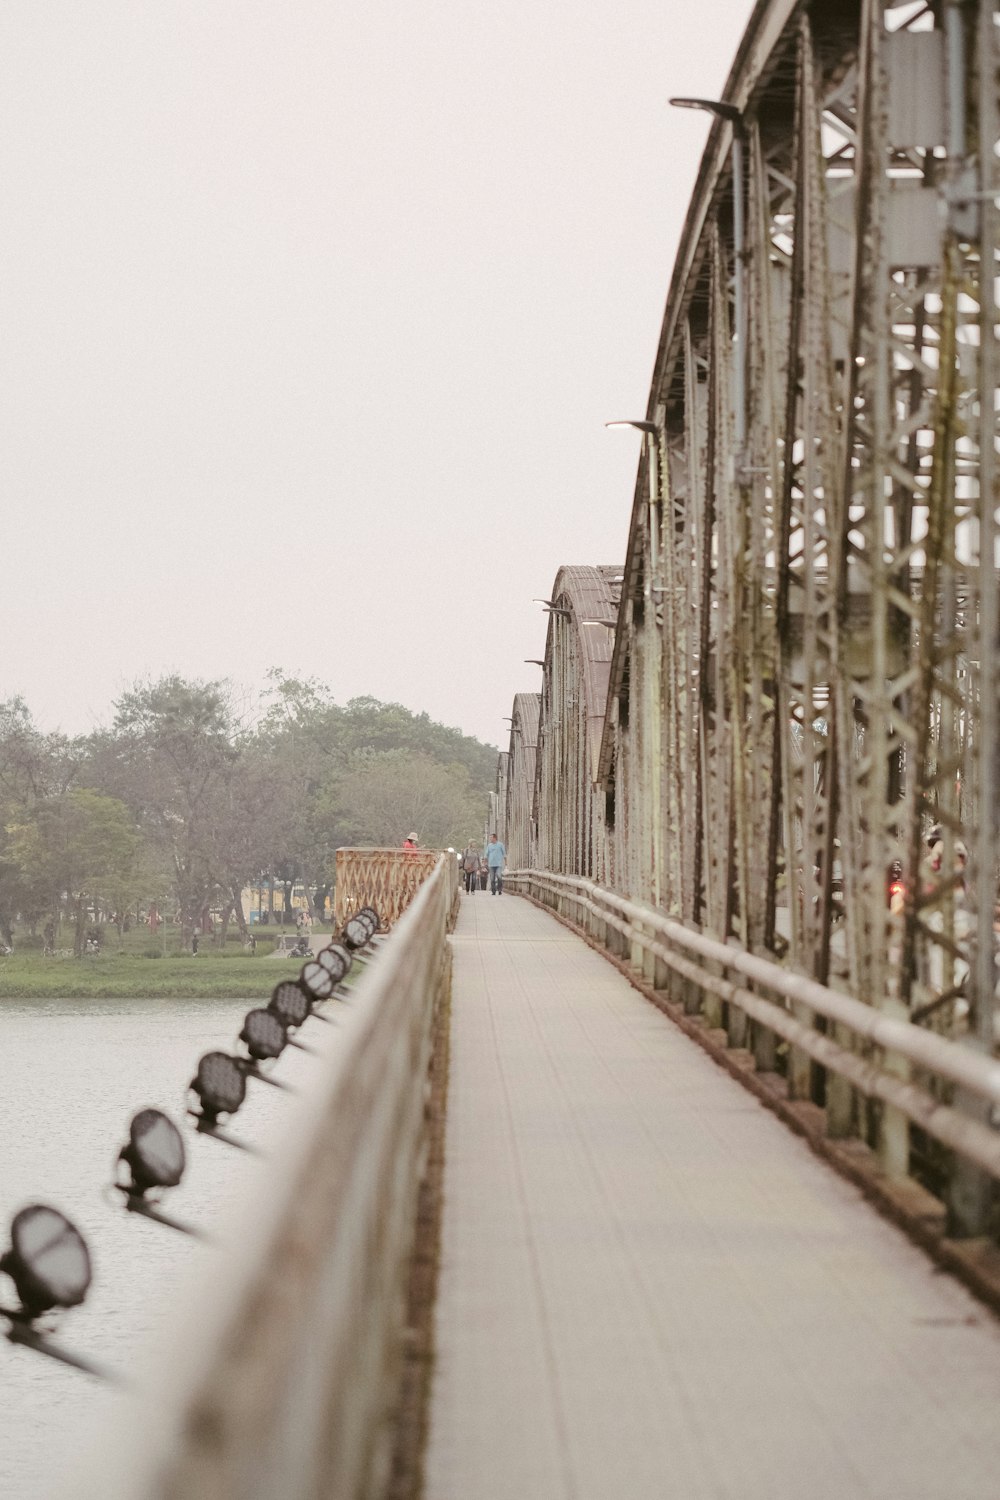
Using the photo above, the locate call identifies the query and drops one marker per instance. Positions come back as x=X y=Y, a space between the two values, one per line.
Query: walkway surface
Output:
x=650 y=1288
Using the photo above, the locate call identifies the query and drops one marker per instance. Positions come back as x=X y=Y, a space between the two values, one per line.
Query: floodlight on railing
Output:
x=265 y=1037
x=154 y=1152
x=290 y=1003
x=318 y=981
x=49 y=1264
x=337 y=961
x=154 y=1156
x=356 y=934
x=48 y=1260
x=220 y=1086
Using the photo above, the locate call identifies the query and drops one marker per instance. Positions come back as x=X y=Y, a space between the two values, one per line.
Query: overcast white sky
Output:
x=311 y=314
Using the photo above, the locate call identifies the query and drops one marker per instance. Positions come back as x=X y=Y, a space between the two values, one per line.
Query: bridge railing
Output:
x=387 y=879
x=948 y=1089
x=278 y=1371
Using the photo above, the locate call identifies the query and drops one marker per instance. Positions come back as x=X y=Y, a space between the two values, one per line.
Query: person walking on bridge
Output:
x=470 y=867
x=496 y=856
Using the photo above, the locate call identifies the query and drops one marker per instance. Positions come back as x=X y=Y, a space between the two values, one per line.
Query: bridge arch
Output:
x=520 y=835
x=569 y=809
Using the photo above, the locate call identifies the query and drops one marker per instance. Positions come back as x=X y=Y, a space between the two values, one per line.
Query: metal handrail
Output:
x=946 y=1059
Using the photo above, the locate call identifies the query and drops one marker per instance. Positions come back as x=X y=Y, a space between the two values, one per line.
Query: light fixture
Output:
x=711 y=106
x=362 y=920
x=48 y=1260
x=650 y=428
x=356 y=934
x=265 y=1037
x=49 y=1264
x=336 y=960
x=290 y=1003
x=154 y=1152
x=264 y=1034
x=154 y=1156
x=318 y=981
x=220 y=1085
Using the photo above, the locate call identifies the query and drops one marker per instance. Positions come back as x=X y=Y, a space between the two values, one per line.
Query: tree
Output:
x=33 y=766
x=171 y=757
x=317 y=749
x=82 y=846
x=381 y=796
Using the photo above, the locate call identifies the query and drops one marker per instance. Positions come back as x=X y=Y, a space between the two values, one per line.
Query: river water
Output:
x=74 y=1073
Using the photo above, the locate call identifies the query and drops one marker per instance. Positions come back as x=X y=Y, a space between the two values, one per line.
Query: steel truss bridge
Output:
x=759 y=723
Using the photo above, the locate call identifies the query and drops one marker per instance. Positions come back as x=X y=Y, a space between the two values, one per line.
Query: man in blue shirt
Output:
x=496 y=854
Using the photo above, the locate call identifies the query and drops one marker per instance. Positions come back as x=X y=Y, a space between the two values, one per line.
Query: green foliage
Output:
x=82 y=844
x=366 y=774
x=181 y=804
x=380 y=795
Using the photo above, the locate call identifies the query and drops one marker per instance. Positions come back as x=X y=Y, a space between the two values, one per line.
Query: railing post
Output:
x=970 y=1190
x=704 y=1002
x=765 y=1047
x=799 y=1062
x=894 y=1127
x=738 y=1027
x=648 y=958
x=840 y=1101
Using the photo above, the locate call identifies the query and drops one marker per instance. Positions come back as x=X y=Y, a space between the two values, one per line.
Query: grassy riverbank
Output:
x=122 y=976
x=141 y=965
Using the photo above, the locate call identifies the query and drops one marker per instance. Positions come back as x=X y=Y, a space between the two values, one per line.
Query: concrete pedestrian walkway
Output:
x=650 y=1289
